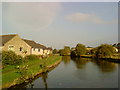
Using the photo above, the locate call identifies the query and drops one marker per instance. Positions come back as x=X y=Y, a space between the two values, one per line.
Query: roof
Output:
x=33 y=44
x=49 y=48
x=5 y=38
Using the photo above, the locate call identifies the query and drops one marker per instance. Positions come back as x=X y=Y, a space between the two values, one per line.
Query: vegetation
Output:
x=103 y=51
x=61 y=52
x=10 y=58
x=13 y=74
x=31 y=57
x=80 y=49
x=65 y=52
x=55 y=51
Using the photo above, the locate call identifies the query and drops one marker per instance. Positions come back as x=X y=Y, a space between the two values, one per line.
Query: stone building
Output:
x=21 y=46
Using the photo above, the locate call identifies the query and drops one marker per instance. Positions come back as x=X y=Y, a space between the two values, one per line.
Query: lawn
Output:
x=10 y=75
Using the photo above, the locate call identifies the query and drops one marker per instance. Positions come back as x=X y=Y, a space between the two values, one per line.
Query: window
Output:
x=38 y=50
x=21 y=48
x=10 y=47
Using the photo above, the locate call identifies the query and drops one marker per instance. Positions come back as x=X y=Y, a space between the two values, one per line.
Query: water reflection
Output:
x=66 y=59
x=80 y=62
x=89 y=73
x=105 y=66
x=44 y=77
x=31 y=85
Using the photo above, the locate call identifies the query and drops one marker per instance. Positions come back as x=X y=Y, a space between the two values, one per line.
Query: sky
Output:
x=59 y=24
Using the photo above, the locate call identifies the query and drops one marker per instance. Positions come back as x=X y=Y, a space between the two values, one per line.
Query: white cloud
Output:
x=82 y=17
x=30 y=16
x=77 y=17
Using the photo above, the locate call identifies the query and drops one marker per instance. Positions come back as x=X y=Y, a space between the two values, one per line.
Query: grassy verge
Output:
x=86 y=56
x=90 y=56
x=10 y=75
x=115 y=58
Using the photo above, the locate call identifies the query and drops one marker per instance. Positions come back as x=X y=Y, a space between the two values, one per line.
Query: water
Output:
x=79 y=73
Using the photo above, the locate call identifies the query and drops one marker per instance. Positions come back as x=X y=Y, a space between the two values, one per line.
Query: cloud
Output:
x=82 y=17
x=77 y=17
x=30 y=16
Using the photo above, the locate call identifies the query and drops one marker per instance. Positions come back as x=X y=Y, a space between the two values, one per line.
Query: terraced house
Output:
x=22 y=46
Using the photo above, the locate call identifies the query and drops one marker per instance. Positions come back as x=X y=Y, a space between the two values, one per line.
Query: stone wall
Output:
x=19 y=46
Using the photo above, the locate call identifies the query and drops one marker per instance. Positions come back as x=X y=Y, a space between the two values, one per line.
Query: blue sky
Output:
x=63 y=23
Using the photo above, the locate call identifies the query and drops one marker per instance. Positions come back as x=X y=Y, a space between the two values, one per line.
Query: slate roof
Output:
x=5 y=38
x=33 y=44
x=49 y=48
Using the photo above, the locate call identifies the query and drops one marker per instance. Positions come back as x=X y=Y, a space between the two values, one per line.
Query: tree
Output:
x=80 y=49
x=104 y=51
x=61 y=52
x=93 y=51
x=55 y=51
x=66 y=51
x=73 y=53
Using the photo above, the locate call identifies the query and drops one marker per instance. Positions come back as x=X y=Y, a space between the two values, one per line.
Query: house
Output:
x=49 y=50
x=21 y=46
x=37 y=48
x=15 y=43
x=89 y=50
x=117 y=47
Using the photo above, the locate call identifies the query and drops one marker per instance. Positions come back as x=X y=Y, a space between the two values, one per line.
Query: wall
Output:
x=17 y=42
x=36 y=52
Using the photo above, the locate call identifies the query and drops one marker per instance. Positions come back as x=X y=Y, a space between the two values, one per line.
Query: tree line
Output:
x=102 y=51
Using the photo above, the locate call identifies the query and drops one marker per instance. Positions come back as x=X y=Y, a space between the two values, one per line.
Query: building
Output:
x=89 y=50
x=117 y=47
x=21 y=46
x=37 y=48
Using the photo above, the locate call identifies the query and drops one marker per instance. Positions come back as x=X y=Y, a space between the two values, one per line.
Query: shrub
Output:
x=61 y=52
x=104 y=51
x=55 y=51
x=10 y=58
x=32 y=57
x=80 y=49
x=73 y=53
x=65 y=52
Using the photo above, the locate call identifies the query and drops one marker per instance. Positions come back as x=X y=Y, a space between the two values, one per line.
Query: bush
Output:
x=32 y=57
x=104 y=51
x=61 y=52
x=65 y=52
x=73 y=53
x=55 y=51
x=10 y=58
x=80 y=49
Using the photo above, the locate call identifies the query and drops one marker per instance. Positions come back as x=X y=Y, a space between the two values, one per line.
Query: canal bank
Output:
x=79 y=73
x=34 y=70
x=116 y=59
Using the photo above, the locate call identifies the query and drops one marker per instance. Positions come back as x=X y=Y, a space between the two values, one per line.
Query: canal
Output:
x=79 y=73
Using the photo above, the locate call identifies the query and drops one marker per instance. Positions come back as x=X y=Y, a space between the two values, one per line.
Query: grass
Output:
x=116 y=56
x=9 y=73
x=87 y=56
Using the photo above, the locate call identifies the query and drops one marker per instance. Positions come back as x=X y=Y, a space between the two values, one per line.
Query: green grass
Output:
x=9 y=73
x=87 y=56
x=116 y=56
